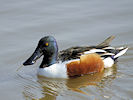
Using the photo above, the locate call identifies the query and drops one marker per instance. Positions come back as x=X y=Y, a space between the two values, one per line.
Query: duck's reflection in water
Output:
x=51 y=88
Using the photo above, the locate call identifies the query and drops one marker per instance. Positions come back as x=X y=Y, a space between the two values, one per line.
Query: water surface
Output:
x=72 y=23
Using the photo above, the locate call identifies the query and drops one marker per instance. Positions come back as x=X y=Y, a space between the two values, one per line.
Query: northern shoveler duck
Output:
x=74 y=61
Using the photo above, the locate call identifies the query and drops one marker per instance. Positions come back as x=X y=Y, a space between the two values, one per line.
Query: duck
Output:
x=74 y=61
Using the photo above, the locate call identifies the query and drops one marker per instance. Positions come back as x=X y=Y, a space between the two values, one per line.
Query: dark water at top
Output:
x=72 y=23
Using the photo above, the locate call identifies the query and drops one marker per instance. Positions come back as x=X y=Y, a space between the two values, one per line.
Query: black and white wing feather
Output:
x=108 y=54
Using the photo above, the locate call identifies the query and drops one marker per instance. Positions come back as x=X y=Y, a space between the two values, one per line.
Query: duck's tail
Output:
x=106 y=42
x=112 y=54
x=120 y=52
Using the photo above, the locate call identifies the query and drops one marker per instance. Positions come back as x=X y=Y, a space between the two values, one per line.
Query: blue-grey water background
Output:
x=72 y=23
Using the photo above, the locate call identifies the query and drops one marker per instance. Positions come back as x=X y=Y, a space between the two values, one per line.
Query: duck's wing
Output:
x=106 y=42
x=108 y=54
x=76 y=52
x=72 y=53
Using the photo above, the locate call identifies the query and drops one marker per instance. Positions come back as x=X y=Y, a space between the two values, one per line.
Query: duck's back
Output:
x=75 y=52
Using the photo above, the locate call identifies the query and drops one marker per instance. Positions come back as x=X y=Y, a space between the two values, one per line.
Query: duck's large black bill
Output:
x=36 y=55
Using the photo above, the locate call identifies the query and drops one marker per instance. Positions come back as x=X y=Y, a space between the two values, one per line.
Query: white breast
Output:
x=58 y=70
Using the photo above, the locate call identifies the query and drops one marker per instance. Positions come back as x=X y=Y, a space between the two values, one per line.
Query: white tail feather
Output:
x=121 y=53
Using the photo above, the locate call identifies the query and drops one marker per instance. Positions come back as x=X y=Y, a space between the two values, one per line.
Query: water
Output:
x=72 y=23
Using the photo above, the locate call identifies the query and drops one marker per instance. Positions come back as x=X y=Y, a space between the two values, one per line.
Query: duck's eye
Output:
x=46 y=44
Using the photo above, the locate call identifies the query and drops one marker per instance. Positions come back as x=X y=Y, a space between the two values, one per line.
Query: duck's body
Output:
x=75 y=61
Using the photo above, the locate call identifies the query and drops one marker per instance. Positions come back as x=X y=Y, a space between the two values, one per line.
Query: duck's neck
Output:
x=48 y=60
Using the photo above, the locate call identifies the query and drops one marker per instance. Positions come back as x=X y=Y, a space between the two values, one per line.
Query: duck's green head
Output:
x=48 y=48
